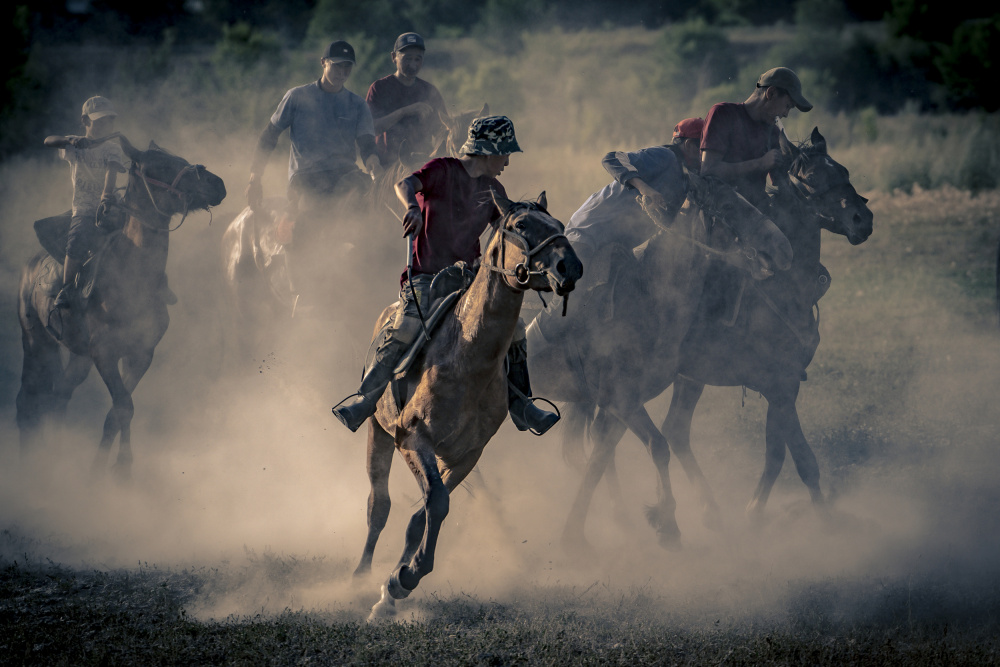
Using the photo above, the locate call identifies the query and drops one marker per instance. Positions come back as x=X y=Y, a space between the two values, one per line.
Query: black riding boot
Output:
x=523 y=413
x=355 y=410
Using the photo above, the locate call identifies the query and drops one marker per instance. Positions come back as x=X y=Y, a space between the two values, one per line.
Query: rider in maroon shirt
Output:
x=449 y=204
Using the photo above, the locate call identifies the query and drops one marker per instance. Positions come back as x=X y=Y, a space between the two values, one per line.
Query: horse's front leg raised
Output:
x=661 y=516
x=422 y=531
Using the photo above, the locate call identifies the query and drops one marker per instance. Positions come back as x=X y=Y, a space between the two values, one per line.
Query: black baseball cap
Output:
x=408 y=39
x=339 y=52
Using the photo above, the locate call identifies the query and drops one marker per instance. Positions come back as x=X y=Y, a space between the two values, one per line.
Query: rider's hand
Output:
x=80 y=142
x=254 y=193
x=413 y=221
x=651 y=195
x=771 y=159
x=421 y=109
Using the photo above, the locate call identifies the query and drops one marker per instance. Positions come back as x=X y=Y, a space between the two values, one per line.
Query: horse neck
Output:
x=145 y=252
x=800 y=226
x=487 y=314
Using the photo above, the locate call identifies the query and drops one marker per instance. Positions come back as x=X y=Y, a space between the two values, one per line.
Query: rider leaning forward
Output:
x=740 y=141
x=449 y=204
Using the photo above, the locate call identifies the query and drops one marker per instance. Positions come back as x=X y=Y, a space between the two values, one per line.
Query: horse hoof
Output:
x=384 y=609
x=670 y=540
x=394 y=587
x=575 y=544
x=122 y=473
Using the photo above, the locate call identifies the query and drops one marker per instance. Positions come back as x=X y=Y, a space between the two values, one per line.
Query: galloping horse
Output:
x=619 y=347
x=456 y=400
x=774 y=335
x=123 y=319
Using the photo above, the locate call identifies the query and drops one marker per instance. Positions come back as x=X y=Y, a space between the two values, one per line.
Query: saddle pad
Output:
x=53 y=233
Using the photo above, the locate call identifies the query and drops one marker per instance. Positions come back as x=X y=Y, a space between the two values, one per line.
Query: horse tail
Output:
x=577 y=418
x=42 y=365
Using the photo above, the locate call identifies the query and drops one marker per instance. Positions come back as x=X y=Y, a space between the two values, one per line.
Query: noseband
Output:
x=521 y=273
x=149 y=182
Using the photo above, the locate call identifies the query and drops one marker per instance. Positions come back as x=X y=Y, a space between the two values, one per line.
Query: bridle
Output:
x=521 y=273
x=138 y=170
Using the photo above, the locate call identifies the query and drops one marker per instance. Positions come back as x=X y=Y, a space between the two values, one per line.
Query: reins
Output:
x=148 y=182
x=521 y=273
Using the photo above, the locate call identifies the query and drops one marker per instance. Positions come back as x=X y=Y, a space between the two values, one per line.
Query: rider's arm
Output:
x=366 y=145
x=265 y=146
x=385 y=122
x=406 y=192
x=712 y=164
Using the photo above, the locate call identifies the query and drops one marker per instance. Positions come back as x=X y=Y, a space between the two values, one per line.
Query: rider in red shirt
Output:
x=449 y=205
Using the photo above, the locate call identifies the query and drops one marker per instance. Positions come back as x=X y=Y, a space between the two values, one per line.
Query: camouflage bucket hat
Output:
x=491 y=135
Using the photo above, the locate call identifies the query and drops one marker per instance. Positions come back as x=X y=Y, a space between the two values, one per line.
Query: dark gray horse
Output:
x=124 y=319
x=766 y=346
x=624 y=337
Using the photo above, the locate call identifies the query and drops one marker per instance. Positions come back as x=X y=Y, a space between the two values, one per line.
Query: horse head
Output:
x=165 y=184
x=760 y=247
x=530 y=248
x=824 y=185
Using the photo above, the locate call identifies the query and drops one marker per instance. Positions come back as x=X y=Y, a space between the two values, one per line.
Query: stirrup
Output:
x=521 y=421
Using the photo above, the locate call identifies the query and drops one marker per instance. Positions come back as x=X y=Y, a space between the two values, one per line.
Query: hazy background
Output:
x=241 y=469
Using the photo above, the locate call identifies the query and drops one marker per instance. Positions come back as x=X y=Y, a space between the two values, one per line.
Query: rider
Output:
x=328 y=125
x=740 y=146
x=449 y=204
x=95 y=163
x=406 y=109
x=614 y=214
x=740 y=141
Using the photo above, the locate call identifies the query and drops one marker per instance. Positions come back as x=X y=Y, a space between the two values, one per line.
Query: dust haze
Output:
x=238 y=462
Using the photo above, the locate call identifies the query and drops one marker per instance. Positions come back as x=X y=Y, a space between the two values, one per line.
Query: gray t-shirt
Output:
x=89 y=166
x=323 y=127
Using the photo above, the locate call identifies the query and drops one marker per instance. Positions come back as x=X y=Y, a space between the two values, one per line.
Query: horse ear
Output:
x=131 y=151
x=542 y=201
x=485 y=110
x=502 y=203
x=787 y=148
x=818 y=142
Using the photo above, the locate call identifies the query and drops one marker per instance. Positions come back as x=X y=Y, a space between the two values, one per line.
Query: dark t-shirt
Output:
x=456 y=208
x=731 y=131
x=389 y=94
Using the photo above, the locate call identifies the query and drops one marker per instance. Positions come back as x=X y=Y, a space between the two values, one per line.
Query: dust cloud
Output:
x=239 y=463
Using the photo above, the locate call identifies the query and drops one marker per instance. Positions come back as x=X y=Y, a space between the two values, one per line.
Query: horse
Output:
x=262 y=286
x=455 y=400
x=618 y=347
x=123 y=318
x=768 y=346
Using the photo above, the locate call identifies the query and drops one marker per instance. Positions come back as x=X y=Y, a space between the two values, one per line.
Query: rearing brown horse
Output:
x=458 y=397
x=123 y=319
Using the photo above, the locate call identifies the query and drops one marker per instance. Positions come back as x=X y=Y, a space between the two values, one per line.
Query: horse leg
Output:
x=380 y=450
x=802 y=454
x=41 y=367
x=76 y=372
x=776 y=433
x=605 y=432
x=662 y=515
x=677 y=429
x=422 y=532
